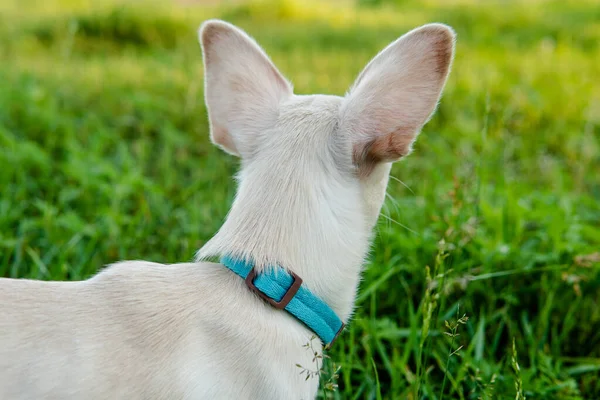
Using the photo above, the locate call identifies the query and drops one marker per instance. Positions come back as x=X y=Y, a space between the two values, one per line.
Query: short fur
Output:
x=314 y=170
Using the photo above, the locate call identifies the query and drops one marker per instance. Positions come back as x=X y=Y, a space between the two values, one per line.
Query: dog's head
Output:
x=322 y=141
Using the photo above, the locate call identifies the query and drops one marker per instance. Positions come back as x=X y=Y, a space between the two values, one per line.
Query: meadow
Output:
x=105 y=155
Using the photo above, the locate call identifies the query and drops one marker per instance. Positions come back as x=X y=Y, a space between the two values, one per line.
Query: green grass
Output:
x=104 y=155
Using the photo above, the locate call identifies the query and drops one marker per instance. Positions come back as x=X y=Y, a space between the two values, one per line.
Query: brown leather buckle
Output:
x=287 y=297
x=327 y=347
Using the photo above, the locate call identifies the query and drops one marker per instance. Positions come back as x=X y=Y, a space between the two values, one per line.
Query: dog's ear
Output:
x=396 y=94
x=243 y=89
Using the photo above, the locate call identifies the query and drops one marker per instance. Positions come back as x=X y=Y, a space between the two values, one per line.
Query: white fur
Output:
x=140 y=330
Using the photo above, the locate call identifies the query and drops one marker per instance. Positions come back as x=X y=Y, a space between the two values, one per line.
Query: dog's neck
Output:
x=318 y=231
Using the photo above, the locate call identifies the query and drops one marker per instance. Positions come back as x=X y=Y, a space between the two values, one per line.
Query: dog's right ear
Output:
x=396 y=94
x=242 y=87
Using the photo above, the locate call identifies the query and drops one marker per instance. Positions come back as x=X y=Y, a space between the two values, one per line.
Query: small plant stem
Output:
x=448 y=364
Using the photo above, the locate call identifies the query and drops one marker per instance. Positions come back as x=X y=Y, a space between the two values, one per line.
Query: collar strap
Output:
x=284 y=291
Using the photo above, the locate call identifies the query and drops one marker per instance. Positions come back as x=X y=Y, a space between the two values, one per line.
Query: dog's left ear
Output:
x=396 y=94
x=243 y=89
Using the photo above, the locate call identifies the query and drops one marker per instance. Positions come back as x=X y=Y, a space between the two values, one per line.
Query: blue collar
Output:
x=284 y=291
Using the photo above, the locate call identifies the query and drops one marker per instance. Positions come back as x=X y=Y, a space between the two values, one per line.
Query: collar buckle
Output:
x=287 y=297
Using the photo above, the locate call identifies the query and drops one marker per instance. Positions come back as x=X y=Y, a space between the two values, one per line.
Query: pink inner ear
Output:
x=386 y=148
x=221 y=137
x=392 y=146
x=395 y=131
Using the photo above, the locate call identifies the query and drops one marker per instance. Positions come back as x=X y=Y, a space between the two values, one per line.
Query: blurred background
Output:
x=104 y=155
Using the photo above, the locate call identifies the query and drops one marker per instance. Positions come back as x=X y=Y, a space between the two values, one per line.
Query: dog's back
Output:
x=36 y=325
x=137 y=330
x=88 y=339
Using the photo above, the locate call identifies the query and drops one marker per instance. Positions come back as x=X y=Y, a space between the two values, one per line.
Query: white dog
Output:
x=314 y=171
